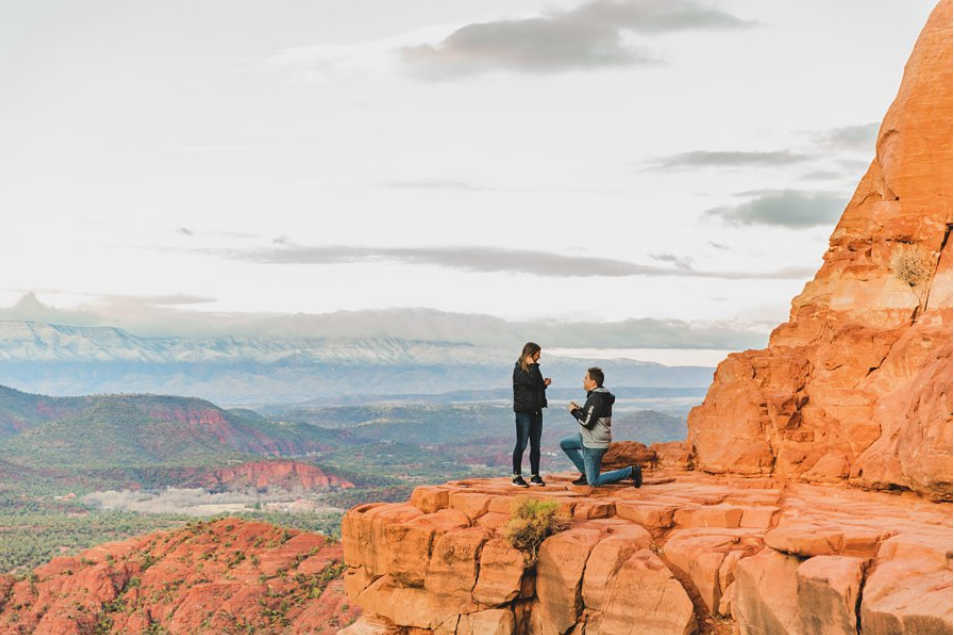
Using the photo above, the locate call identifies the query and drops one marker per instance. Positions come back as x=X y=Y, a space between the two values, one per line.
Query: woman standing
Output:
x=529 y=400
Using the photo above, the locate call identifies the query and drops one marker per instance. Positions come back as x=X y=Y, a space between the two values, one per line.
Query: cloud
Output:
x=785 y=208
x=493 y=260
x=594 y=35
x=414 y=324
x=29 y=309
x=436 y=184
x=861 y=137
x=149 y=314
x=706 y=159
x=648 y=333
x=681 y=263
x=474 y=259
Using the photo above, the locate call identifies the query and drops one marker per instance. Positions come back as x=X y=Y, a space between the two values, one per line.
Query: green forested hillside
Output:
x=104 y=431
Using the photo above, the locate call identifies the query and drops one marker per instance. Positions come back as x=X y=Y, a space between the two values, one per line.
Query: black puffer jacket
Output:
x=529 y=391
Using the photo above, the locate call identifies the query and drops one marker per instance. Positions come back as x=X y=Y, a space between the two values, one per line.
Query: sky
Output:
x=665 y=171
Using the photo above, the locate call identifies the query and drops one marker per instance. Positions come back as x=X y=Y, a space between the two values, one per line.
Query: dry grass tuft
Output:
x=910 y=264
x=532 y=522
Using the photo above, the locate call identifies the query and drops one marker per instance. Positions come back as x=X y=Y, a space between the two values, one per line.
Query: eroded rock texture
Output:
x=685 y=553
x=281 y=474
x=857 y=385
x=227 y=576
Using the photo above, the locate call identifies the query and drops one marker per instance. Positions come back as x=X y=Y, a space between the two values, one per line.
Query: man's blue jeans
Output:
x=588 y=461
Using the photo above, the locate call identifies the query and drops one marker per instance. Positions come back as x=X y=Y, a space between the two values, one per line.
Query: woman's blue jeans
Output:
x=529 y=428
x=588 y=460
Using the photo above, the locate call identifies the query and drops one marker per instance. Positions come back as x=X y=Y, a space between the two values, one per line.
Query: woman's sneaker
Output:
x=536 y=480
x=581 y=480
x=518 y=481
x=637 y=476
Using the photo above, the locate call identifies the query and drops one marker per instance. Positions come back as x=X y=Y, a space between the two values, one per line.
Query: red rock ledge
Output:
x=685 y=553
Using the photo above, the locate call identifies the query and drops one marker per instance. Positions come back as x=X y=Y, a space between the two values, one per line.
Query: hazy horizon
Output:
x=638 y=175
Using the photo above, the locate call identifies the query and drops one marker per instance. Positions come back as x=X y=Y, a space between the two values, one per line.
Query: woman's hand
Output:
x=547 y=381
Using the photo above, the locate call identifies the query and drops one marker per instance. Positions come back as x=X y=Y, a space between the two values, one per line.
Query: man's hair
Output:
x=596 y=374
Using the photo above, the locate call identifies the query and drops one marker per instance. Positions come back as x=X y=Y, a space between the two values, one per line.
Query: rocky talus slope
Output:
x=857 y=385
x=685 y=553
x=215 y=578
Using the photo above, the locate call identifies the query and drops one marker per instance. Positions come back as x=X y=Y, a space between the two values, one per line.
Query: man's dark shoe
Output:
x=518 y=481
x=581 y=480
x=536 y=480
x=637 y=476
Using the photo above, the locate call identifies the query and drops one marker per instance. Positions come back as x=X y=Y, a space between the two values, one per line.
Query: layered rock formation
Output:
x=857 y=385
x=685 y=553
x=282 y=474
x=227 y=576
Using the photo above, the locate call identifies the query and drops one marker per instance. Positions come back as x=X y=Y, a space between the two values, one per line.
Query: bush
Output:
x=910 y=264
x=532 y=522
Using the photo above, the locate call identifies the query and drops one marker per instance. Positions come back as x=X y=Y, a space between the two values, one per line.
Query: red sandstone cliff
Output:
x=227 y=576
x=857 y=385
x=283 y=474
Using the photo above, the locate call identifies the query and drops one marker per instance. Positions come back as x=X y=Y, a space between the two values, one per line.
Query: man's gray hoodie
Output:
x=596 y=418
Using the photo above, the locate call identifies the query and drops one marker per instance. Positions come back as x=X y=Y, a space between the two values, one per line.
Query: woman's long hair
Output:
x=528 y=349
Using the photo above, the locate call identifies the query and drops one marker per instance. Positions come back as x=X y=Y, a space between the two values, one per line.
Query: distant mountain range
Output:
x=69 y=360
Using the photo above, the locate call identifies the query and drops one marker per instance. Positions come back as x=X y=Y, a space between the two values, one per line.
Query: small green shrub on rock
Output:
x=532 y=522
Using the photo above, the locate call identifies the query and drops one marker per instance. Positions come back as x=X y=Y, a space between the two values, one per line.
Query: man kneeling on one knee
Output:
x=587 y=447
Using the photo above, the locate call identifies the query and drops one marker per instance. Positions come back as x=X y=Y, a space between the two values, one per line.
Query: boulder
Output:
x=765 y=594
x=560 y=566
x=409 y=544
x=701 y=558
x=907 y=597
x=828 y=592
x=806 y=539
x=625 y=453
x=604 y=563
x=454 y=562
x=502 y=571
x=673 y=455
x=647 y=599
x=491 y=622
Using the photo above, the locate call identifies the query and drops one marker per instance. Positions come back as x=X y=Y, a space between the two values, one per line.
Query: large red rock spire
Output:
x=857 y=384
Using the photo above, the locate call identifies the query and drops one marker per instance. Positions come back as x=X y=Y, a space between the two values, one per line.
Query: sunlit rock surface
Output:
x=685 y=552
x=857 y=385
